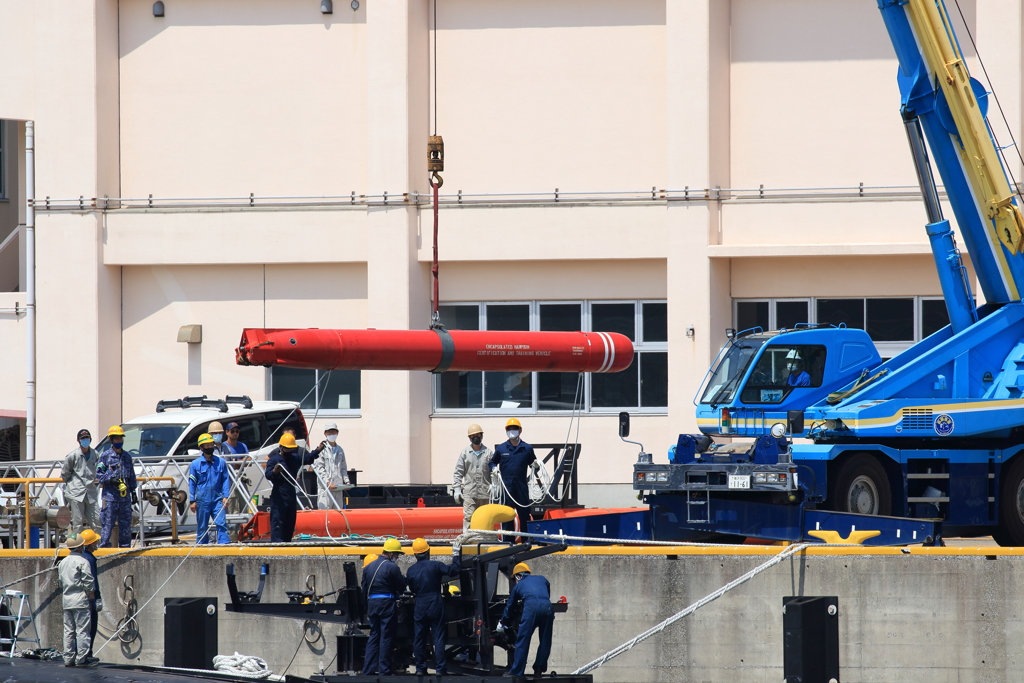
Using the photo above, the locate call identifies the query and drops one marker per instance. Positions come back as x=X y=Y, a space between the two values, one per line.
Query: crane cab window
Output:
x=781 y=369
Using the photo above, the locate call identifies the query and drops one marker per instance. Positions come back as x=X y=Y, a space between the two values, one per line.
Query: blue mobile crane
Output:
x=928 y=442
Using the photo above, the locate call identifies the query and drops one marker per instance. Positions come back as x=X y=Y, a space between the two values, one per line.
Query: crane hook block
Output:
x=435 y=154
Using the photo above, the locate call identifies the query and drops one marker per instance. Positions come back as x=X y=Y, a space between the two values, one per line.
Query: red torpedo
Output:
x=436 y=350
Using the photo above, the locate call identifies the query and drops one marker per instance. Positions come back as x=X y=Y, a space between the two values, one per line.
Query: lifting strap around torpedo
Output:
x=447 y=349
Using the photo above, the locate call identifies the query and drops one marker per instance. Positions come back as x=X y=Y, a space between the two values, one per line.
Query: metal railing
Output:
x=34 y=490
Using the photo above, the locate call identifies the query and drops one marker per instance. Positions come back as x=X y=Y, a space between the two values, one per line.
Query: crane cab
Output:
x=760 y=376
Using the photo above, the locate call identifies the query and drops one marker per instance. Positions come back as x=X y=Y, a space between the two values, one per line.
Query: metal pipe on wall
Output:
x=30 y=291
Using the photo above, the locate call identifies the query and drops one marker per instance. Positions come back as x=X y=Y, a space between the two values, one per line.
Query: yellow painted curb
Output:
x=597 y=551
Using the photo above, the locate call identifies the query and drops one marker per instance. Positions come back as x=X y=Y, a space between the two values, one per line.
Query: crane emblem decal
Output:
x=943 y=424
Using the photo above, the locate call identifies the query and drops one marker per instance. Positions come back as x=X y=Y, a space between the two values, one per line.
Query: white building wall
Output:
x=271 y=99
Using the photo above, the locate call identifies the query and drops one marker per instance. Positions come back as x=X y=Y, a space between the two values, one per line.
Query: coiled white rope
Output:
x=249 y=666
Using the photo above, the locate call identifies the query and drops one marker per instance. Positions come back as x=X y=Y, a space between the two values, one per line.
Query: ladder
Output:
x=21 y=619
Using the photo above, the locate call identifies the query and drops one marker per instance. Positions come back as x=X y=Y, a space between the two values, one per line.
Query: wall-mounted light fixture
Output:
x=190 y=334
x=158 y=8
x=355 y=5
x=730 y=332
x=326 y=6
x=690 y=332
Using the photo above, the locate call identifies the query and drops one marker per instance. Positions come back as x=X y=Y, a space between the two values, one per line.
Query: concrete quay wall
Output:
x=930 y=615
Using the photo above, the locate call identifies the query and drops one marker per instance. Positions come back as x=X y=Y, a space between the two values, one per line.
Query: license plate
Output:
x=739 y=481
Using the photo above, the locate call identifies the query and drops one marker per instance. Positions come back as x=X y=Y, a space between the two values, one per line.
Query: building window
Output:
x=337 y=394
x=642 y=386
x=893 y=323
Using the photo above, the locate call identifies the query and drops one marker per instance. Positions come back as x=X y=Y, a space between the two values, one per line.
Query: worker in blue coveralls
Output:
x=383 y=584
x=209 y=487
x=425 y=579
x=116 y=474
x=535 y=594
x=283 y=472
x=515 y=458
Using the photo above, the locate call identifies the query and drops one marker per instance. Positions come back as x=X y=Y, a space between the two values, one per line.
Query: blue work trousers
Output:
x=383 y=617
x=116 y=511
x=537 y=614
x=428 y=620
x=205 y=509
x=282 y=522
x=517 y=493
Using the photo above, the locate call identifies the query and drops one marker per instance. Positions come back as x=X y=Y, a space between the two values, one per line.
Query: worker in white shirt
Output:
x=332 y=470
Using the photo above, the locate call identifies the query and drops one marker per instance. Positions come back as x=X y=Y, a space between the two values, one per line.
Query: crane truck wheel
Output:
x=1011 y=506
x=862 y=487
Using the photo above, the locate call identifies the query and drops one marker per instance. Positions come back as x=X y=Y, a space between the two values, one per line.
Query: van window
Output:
x=146 y=440
x=191 y=441
x=250 y=431
x=280 y=420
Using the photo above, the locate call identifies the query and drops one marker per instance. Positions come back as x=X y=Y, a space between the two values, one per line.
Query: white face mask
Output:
x=331 y=438
x=513 y=433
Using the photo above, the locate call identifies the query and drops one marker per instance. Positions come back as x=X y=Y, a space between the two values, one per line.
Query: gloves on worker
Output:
x=456 y=548
x=535 y=466
x=499 y=627
x=99 y=604
x=135 y=498
x=457 y=495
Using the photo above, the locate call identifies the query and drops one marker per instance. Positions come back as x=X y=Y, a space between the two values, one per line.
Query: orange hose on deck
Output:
x=435 y=523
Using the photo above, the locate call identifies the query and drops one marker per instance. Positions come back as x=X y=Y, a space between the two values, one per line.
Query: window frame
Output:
x=322 y=412
x=586 y=319
x=886 y=349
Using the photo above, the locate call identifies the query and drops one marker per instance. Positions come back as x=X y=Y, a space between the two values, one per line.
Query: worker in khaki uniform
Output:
x=472 y=479
x=77 y=588
x=80 y=488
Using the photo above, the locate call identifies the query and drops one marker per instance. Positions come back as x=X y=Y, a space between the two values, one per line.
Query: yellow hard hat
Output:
x=453 y=590
x=369 y=558
x=115 y=431
x=521 y=567
x=475 y=429
x=89 y=536
x=420 y=545
x=287 y=441
x=512 y=422
x=215 y=428
x=392 y=546
x=205 y=438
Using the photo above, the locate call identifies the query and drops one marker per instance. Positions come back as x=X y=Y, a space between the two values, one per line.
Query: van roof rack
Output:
x=220 y=404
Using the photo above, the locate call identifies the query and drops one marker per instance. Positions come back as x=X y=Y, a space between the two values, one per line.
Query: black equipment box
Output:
x=190 y=632
x=810 y=639
x=351 y=652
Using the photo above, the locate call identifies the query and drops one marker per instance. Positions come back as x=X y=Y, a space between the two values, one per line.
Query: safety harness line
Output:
x=54 y=567
x=630 y=644
x=155 y=593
